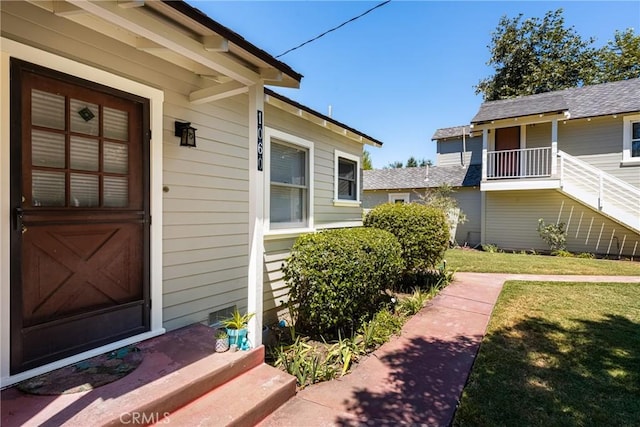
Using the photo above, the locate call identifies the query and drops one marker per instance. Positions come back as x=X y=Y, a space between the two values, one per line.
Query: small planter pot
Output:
x=236 y=336
x=222 y=345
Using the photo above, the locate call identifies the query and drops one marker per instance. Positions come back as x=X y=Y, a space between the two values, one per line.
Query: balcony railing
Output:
x=523 y=163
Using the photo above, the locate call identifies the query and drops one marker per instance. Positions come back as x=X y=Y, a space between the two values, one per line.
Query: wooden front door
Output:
x=80 y=213
x=508 y=162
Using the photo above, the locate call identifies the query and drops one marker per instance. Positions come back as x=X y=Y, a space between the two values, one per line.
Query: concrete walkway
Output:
x=418 y=377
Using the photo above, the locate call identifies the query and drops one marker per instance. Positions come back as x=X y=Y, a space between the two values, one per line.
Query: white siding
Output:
x=512 y=221
x=205 y=206
x=275 y=290
x=450 y=152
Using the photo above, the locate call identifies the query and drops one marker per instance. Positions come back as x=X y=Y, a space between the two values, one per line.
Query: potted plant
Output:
x=237 y=327
x=222 y=340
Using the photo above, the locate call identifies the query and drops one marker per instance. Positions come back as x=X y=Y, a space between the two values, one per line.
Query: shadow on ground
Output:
x=539 y=372
x=421 y=372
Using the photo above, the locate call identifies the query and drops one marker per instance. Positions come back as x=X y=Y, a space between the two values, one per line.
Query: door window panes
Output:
x=116 y=124
x=84 y=190
x=85 y=154
x=47 y=149
x=116 y=157
x=47 y=109
x=116 y=191
x=84 y=117
x=47 y=188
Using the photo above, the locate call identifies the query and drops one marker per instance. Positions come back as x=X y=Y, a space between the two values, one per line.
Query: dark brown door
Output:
x=80 y=201
x=508 y=162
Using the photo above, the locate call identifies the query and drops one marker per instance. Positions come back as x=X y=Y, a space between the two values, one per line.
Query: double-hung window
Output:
x=631 y=140
x=290 y=183
x=346 y=179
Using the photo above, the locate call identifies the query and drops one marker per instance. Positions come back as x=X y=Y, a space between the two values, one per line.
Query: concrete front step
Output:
x=178 y=368
x=244 y=401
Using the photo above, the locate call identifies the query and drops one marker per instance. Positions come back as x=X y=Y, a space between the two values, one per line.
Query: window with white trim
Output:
x=289 y=186
x=399 y=198
x=346 y=178
x=631 y=140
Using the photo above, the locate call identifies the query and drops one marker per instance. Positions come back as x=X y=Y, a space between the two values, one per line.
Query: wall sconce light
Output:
x=186 y=133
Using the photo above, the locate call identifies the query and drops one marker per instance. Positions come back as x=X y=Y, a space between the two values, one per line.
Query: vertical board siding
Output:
x=449 y=152
x=512 y=221
x=206 y=203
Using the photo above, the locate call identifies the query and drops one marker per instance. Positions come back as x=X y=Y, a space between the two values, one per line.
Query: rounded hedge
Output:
x=338 y=278
x=423 y=231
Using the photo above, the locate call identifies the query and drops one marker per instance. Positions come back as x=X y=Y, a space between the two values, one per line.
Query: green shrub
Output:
x=554 y=234
x=338 y=278
x=491 y=248
x=423 y=231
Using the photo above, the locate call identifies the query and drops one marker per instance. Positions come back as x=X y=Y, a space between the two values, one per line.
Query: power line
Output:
x=334 y=28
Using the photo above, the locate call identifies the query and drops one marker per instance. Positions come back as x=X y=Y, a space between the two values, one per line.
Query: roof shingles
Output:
x=422 y=177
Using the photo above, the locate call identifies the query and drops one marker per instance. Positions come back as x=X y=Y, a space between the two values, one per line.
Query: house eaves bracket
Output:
x=215 y=93
x=162 y=34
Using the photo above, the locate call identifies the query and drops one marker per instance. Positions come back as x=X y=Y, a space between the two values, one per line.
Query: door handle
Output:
x=17 y=219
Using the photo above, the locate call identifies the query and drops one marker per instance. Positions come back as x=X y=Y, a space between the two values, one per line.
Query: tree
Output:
x=620 y=58
x=537 y=55
x=395 y=165
x=366 y=161
x=424 y=162
x=412 y=162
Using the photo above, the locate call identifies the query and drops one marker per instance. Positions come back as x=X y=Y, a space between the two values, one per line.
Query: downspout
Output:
x=464 y=146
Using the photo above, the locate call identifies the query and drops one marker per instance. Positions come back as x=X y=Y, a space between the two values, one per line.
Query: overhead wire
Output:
x=334 y=28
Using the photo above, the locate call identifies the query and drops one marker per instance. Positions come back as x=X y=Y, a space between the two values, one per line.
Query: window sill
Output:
x=630 y=162
x=347 y=203
x=286 y=233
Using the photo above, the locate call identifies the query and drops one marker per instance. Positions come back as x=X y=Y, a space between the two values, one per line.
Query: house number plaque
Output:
x=260 y=141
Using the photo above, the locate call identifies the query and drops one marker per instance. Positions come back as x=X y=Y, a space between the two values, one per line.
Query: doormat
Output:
x=86 y=375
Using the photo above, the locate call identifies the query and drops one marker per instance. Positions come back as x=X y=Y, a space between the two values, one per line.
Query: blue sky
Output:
x=405 y=69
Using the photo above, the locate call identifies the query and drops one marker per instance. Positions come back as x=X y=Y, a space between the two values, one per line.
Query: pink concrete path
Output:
x=418 y=377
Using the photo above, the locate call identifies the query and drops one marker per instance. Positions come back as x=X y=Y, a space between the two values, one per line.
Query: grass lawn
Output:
x=485 y=262
x=558 y=354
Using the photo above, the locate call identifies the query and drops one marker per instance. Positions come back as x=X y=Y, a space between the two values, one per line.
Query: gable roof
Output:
x=452 y=132
x=421 y=177
x=581 y=102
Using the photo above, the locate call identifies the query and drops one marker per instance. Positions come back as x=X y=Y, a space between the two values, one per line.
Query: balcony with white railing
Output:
x=527 y=168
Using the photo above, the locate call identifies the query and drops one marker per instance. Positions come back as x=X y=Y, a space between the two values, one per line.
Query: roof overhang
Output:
x=306 y=113
x=520 y=120
x=184 y=36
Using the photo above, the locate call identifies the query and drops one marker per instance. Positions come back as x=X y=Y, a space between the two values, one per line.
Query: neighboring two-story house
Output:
x=112 y=231
x=570 y=156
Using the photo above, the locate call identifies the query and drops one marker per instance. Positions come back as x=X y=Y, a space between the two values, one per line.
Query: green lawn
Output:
x=558 y=354
x=485 y=262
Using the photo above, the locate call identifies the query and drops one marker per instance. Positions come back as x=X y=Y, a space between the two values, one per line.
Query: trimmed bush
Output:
x=423 y=232
x=338 y=278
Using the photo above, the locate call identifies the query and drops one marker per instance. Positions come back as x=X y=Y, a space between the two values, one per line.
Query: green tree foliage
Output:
x=620 y=58
x=535 y=56
x=395 y=165
x=337 y=278
x=366 y=161
x=412 y=162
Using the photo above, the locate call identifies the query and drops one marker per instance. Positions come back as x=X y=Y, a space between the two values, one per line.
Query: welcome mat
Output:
x=86 y=375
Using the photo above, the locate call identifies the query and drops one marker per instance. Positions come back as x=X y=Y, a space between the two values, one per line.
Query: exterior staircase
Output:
x=600 y=191
x=181 y=381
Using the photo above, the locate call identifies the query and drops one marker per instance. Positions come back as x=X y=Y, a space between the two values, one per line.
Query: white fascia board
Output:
x=524 y=184
x=144 y=25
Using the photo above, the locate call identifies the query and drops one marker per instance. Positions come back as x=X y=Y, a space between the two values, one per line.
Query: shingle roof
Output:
x=451 y=132
x=587 y=101
x=422 y=177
